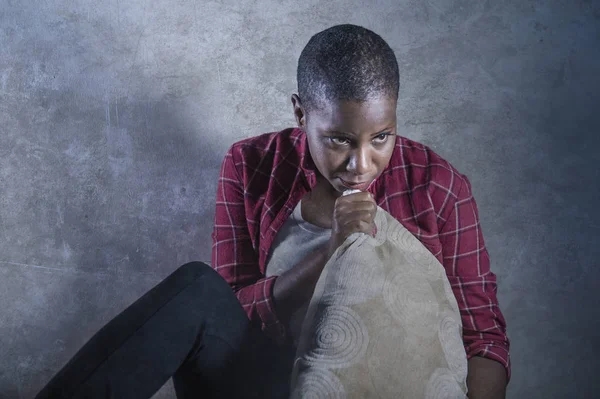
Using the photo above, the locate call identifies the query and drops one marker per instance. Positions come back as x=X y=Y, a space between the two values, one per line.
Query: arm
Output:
x=467 y=265
x=296 y=286
x=233 y=254
x=268 y=301
x=352 y=213
x=486 y=379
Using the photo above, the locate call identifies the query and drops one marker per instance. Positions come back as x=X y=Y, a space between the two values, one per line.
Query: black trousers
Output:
x=190 y=327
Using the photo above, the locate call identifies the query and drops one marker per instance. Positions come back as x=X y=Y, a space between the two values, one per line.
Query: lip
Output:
x=355 y=186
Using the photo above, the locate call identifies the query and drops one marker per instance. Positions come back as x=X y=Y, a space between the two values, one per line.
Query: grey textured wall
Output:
x=115 y=116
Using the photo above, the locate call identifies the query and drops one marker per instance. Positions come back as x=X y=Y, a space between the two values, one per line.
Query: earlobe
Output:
x=300 y=122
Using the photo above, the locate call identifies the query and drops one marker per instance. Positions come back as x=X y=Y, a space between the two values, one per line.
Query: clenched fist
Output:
x=352 y=213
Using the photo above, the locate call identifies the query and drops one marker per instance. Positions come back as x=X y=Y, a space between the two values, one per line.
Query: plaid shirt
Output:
x=262 y=180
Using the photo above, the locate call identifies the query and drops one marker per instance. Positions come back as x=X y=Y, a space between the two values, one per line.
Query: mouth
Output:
x=355 y=186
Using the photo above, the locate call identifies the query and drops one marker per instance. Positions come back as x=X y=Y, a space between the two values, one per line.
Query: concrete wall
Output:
x=115 y=116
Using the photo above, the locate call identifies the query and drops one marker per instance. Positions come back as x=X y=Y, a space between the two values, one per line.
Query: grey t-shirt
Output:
x=294 y=241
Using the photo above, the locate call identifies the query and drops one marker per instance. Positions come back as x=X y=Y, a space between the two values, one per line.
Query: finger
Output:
x=343 y=219
x=350 y=207
x=355 y=226
x=365 y=211
x=360 y=196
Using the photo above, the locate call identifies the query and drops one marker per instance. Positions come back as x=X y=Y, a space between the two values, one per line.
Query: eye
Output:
x=382 y=138
x=339 y=140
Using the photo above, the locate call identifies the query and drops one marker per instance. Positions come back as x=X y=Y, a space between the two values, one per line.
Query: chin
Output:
x=340 y=189
x=336 y=187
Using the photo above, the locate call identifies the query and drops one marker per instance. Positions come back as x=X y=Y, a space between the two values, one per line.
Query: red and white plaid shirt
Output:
x=264 y=177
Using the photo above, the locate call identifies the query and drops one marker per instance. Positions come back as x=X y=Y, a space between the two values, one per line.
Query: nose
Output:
x=359 y=162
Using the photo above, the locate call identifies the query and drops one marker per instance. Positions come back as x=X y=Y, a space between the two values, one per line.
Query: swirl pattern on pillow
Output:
x=451 y=339
x=411 y=248
x=451 y=298
x=358 y=282
x=410 y=299
x=442 y=385
x=340 y=338
x=319 y=383
x=383 y=322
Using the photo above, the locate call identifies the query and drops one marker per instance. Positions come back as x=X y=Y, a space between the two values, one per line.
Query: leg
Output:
x=262 y=370
x=190 y=326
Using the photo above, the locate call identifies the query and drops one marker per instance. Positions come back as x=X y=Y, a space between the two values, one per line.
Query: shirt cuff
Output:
x=265 y=307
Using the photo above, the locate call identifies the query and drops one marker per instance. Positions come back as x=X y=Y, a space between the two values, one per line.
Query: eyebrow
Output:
x=351 y=134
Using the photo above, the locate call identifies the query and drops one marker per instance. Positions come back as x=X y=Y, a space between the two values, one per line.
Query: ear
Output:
x=299 y=113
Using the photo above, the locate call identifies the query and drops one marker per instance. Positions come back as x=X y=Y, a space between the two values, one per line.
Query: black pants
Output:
x=190 y=327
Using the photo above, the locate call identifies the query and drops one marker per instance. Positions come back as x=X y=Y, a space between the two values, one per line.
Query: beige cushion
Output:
x=382 y=323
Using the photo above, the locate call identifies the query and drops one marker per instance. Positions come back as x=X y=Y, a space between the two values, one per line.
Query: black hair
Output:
x=346 y=62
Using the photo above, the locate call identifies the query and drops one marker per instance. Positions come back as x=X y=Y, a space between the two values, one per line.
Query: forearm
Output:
x=486 y=379
x=295 y=286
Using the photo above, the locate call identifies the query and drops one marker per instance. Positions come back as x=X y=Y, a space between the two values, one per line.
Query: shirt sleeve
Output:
x=234 y=257
x=467 y=265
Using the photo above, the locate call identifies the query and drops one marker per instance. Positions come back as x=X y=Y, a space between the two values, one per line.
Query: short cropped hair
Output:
x=346 y=62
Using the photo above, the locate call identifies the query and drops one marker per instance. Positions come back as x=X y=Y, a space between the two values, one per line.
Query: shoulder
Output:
x=259 y=160
x=262 y=149
x=410 y=154
x=423 y=166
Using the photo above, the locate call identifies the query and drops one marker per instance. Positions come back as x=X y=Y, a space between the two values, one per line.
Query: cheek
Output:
x=388 y=155
x=318 y=153
x=330 y=161
x=383 y=158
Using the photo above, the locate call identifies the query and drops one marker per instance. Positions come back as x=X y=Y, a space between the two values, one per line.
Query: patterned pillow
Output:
x=383 y=322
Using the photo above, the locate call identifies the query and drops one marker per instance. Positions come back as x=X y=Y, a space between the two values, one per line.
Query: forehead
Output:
x=355 y=117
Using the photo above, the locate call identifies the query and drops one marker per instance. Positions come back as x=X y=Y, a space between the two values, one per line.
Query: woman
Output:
x=280 y=215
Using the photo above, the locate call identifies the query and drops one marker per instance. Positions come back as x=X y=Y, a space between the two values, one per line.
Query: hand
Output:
x=351 y=213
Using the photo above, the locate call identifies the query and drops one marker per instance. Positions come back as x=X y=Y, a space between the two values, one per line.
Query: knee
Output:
x=196 y=270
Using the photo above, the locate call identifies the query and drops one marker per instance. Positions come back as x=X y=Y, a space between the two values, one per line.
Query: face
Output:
x=350 y=143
